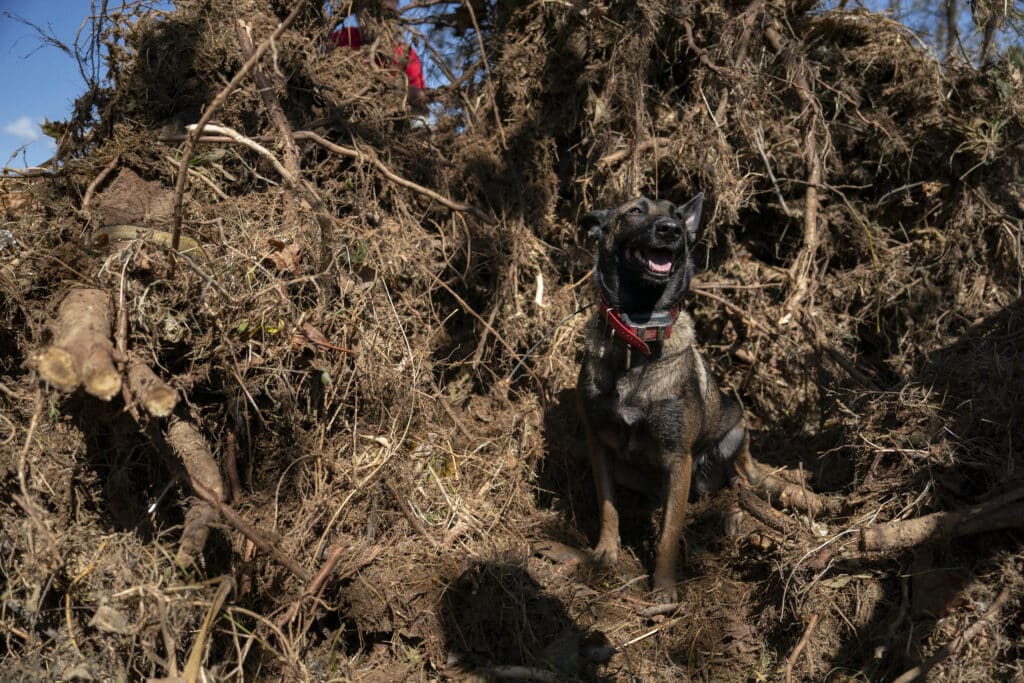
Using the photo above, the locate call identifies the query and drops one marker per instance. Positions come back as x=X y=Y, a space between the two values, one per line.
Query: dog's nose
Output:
x=668 y=229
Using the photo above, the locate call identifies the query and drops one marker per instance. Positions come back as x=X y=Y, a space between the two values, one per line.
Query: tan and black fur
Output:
x=662 y=412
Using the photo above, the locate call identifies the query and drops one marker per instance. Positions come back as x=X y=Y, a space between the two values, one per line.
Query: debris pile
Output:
x=327 y=423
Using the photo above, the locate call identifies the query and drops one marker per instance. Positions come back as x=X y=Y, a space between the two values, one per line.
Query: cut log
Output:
x=191 y=448
x=82 y=352
x=195 y=532
x=155 y=395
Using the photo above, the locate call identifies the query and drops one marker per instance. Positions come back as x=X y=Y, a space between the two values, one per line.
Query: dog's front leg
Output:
x=675 y=515
x=606 y=554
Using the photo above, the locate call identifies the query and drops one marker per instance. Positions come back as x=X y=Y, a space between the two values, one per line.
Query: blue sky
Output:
x=39 y=80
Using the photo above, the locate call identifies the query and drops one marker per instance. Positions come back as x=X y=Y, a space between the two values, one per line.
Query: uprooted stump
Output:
x=82 y=353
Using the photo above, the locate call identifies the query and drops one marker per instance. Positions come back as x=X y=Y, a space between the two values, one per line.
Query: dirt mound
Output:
x=372 y=466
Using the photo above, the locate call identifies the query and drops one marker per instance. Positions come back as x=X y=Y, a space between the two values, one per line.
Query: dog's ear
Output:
x=689 y=215
x=594 y=223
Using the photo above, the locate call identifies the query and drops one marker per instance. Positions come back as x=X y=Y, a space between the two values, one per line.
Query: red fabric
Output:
x=349 y=36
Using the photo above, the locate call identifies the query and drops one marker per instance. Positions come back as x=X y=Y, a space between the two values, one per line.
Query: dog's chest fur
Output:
x=642 y=404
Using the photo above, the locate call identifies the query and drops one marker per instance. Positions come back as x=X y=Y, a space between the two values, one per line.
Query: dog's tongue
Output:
x=658 y=260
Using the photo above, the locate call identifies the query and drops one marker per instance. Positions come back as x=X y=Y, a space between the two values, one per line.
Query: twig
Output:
x=291 y=149
x=701 y=53
x=659 y=610
x=954 y=646
x=840 y=358
x=759 y=140
x=800 y=646
x=100 y=177
x=195 y=657
x=293 y=181
x=26 y=502
x=469 y=309
x=440 y=398
x=392 y=176
x=734 y=308
x=263 y=540
x=647 y=145
x=407 y=512
x=800 y=270
x=231 y=465
x=266 y=90
x=487 y=68
x=214 y=107
x=524 y=673
x=314 y=586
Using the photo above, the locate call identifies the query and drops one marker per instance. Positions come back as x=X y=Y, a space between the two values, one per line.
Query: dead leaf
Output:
x=285 y=257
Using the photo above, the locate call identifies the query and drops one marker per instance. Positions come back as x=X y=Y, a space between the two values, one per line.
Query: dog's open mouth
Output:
x=655 y=261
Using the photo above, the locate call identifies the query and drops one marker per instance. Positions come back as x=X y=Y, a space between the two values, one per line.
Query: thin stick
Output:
x=508 y=347
x=392 y=176
x=100 y=177
x=732 y=307
x=954 y=646
x=231 y=465
x=273 y=107
x=291 y=149
x=659 y=610
x=290 y=179
x=359 y=156
x=26 y=501
x=801 y=269
x=800 y=646
x=407 y=512
x=215 y=105
x=262 y=539
x=314 y=586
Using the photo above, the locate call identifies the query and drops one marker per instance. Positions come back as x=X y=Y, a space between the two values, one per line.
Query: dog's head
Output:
x=643 y=252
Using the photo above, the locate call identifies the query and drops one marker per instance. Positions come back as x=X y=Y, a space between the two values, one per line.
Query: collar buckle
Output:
x=636 y=329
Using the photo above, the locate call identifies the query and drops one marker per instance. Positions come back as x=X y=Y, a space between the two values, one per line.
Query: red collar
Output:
x=637 y=336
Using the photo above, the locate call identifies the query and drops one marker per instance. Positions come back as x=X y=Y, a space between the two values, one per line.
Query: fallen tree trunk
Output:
x=82 y=352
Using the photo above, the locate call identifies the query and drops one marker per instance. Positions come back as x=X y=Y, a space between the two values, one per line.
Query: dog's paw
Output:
x=665 y=593
x=735 y=523
x=605 y=555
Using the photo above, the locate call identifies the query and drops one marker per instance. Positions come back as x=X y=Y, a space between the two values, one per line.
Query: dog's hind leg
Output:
x=715 y=467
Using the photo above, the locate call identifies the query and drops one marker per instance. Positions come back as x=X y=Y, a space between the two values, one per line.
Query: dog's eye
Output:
x=635 y=211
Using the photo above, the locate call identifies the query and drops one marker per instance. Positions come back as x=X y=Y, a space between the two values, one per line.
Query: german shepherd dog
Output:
x=646 y=398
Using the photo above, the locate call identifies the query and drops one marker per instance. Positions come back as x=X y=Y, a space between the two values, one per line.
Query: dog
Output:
x=646 y=397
